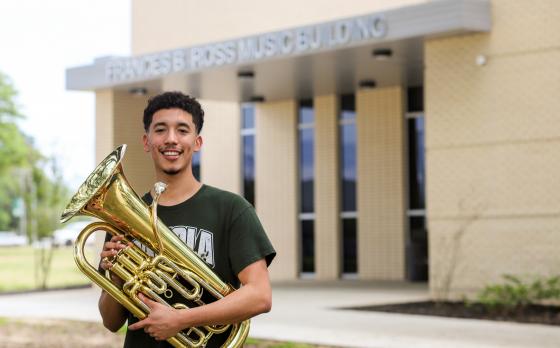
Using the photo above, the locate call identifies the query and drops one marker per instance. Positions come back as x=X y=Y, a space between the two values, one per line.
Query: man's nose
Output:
x=171 y=137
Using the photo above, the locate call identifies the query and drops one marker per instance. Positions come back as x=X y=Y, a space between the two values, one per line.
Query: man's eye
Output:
x=159 y=130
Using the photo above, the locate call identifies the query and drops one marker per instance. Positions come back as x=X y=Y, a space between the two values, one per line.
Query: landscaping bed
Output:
x=535 y=314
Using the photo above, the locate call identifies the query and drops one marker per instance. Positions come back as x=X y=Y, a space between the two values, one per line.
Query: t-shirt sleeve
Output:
x=248 y=241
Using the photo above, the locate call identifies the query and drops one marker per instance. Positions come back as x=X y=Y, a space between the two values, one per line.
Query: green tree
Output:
x=14 y=151
x=27 y=175
x=45 y=197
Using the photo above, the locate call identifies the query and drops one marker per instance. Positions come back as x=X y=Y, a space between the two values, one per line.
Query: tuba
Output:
x=174 y=276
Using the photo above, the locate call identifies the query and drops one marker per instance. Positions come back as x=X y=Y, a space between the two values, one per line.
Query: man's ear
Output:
x=198 y=143
x=145 y=141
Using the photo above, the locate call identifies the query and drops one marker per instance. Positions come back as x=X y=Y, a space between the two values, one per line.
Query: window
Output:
x=348 y=167
x=248 y=151
x=306 y=178
x=417 y=236
x=196 y=165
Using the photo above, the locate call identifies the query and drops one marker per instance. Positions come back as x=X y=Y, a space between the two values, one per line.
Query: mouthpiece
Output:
x=159 y=187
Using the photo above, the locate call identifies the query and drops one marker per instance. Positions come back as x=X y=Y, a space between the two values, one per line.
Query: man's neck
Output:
x=179 y=188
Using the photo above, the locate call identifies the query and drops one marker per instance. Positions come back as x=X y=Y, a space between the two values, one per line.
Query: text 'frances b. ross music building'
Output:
x=392 y=140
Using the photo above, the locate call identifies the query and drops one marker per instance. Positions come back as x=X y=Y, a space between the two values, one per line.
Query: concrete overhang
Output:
x=325 y=58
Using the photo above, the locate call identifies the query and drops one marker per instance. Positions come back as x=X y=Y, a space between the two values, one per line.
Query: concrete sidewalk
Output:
x=309 y=312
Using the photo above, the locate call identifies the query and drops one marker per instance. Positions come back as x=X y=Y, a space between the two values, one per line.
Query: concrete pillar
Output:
x=221 y=151
x=381 y=183
x=327 y=189
x=276 y=197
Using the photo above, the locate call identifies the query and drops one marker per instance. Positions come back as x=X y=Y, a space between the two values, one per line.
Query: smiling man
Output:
x=221 y=227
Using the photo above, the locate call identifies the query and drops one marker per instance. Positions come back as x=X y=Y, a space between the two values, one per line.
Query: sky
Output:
x=40 y=39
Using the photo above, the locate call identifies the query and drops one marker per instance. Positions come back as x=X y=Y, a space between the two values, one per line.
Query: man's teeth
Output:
x=171 y=153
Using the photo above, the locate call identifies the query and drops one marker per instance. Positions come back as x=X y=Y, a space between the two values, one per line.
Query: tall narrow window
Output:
x=347 y=130
x=248 y=148
x=196 y=165
x=417 y=237
x=306 y=178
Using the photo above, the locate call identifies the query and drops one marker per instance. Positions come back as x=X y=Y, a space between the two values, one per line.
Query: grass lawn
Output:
x=17 y=268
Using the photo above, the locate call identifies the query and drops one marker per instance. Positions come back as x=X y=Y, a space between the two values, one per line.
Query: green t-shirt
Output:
x=223 y=229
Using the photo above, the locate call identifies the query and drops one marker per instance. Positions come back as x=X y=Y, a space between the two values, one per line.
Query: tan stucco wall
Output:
x=326 y=190
x=381 y=184
x=221 y=151
x=276 y=198
x=170 y=24
x=118 y=118
x=104 y=124
x=129 y=129
x=493 y=148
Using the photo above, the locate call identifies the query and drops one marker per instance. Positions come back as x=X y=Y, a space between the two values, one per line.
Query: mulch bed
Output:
x=535 y=314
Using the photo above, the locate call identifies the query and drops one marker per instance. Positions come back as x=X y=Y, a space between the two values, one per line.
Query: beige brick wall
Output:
x=118 y=120
x=169 y=24
x=381 y=184
x=327 y=185
x=276 y=188
x=104 y=124
x=137 y=164
x=493 y=148
x=221 y=150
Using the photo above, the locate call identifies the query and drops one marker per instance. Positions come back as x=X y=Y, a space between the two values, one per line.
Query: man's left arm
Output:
x=253 y=298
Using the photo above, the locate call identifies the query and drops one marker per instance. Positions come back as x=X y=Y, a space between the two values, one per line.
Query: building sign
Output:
x=296 y=41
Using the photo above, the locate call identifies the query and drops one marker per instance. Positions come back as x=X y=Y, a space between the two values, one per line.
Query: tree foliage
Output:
x=28 y=177
x=25 y=174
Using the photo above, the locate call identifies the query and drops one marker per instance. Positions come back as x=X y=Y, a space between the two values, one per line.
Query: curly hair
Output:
x=171 y=100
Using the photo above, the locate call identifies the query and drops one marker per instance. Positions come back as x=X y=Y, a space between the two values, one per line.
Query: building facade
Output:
x=392 y=140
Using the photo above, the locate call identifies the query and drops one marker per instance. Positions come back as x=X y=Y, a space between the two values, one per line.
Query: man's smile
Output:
x=171 y=154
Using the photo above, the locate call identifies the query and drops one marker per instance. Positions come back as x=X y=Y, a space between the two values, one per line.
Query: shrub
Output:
x=516 y=294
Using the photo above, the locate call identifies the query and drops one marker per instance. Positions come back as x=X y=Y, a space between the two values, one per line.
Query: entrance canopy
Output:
x=377 y=49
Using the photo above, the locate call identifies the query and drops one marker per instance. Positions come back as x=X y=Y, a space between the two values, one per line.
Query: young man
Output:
x=219 y=226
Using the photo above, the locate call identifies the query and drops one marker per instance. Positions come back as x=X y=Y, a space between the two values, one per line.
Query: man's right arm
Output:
x=113 y=313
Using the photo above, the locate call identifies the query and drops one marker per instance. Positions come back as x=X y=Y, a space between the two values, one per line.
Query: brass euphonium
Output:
x=174 y=271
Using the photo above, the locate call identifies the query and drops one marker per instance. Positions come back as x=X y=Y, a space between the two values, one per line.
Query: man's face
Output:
x=172 y=139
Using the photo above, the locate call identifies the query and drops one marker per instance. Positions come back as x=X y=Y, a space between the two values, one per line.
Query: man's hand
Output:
x=110 y=249
x=161 y=323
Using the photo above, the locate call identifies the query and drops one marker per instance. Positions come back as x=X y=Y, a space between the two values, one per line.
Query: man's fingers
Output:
x=139 y=325
x=116 y=242
x=108 y=253
x=111 y=249
x=106 y=264
x=115 y=245
x=146 y=300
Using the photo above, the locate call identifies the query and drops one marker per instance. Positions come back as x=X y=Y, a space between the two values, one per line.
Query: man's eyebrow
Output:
x=184 y=124
x=159 y=124
x=180 y=124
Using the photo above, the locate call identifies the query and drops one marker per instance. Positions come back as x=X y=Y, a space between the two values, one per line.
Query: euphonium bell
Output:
x=174 y=276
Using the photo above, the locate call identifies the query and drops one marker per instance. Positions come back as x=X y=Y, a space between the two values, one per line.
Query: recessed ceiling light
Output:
x=248 y=74
x=367 y=83
x=382 y=53
x=257 y=99
x=138 y=91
